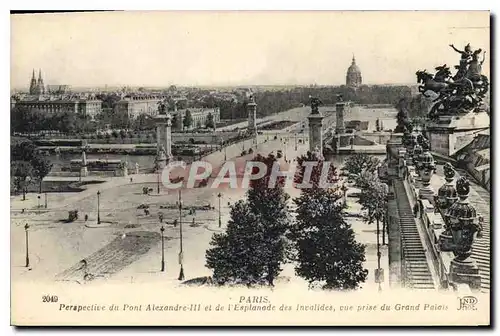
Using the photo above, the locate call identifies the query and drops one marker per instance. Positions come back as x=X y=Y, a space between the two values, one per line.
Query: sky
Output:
x=238 y=48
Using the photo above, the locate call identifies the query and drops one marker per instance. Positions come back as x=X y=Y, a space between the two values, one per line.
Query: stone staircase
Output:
x=415 y=268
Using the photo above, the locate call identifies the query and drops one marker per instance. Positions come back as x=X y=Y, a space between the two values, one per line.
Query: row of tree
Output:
x=27 y=120
x=271 y=102
x=261 y=235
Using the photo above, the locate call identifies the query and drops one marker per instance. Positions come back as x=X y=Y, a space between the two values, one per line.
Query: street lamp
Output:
x=162 y=250
x=220 y=221
x=38 y=201
x=98 y=213
x=181 y=257
x=26 y=227
x=158 y=180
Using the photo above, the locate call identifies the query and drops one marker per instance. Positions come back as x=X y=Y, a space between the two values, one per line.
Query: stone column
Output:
x=339 y=126
x=83 y=169
x=163 y=140
x=316 y=133
x=447 y=196
x=168 y=137
x=179 y=116
x=340 y=109
x=252 y=116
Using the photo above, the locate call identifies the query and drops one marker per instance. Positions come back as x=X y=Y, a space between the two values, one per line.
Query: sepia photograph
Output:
x=274 y=168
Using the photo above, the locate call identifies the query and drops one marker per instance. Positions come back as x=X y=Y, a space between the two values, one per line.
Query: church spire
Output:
x=40 y=84
x=33 y=85
x=353 y=59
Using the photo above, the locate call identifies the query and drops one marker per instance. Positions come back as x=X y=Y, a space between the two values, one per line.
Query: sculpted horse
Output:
x=429 y=83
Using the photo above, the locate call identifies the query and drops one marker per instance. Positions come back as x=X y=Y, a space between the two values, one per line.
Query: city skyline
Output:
x=158 y=49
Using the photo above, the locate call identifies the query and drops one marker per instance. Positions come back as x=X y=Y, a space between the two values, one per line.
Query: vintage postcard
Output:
x=175 y=168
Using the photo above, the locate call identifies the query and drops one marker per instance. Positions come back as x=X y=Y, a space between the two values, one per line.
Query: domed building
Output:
x=353 y=78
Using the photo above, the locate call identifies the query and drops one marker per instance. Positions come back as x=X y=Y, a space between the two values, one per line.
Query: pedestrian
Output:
x=86 y=217
x=415 y=210
x=131 y=179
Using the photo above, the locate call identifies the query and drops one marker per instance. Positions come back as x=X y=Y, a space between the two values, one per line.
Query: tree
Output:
x=188 y=119
x=41 y=168
x=373 y=199
x=26 y=151
x=236 y=255
x=174 y=121
x=21 y=171
x=254 y=246
x=373 y=196
x=143 y=122
x=210 y=121
x=359 y=162
x=326 y=251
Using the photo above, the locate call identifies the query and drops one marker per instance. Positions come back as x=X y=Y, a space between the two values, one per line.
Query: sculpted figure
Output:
x=315 y=102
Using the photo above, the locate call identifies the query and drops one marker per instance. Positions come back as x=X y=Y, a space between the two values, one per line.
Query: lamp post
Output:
x=98 y=212
x=158 y=181
x=38 y=201
x=45 y=200
x=220 y=221
x=181 y=257
x=162 y=229
x=26 y=227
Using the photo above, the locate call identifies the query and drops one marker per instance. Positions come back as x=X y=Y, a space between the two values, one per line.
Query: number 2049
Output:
x=49 y=298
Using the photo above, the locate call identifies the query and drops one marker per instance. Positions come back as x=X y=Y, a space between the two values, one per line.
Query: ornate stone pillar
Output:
x=163 y=140
x=315 y=128
x=252 y=115
x=447 y=196
x=401 y=162
x=464 y=226
x=427 y=169
x=83 y=169
x=417 y=157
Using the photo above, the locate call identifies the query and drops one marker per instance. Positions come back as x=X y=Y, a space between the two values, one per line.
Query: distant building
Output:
x=37 y=87
x=199 y=115
x=58 y=89
x=353 y=77
x=133 y=106
x=85 y=106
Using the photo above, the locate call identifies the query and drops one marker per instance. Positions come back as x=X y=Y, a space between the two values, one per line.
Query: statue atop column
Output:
x=162 y=107
x=460 y=93
x=315 y=103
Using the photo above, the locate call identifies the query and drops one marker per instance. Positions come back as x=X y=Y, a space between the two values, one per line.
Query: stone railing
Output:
x=431 y=221
x=432 y=225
